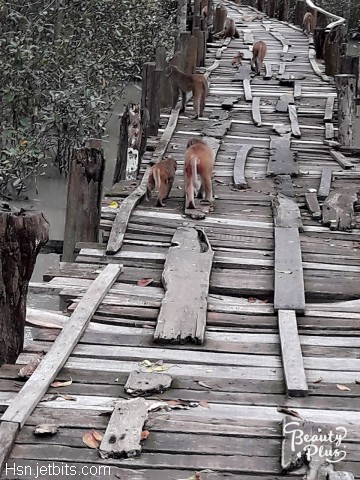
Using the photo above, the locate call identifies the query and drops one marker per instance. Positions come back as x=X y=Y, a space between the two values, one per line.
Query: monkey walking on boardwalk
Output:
x=259 y=52
x=161 y=177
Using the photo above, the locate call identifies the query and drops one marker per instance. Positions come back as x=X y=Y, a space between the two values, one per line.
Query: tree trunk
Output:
x=21 y=237
x=319 y=40
x=83 y=207
x=345 y=85
x=284 y=10
x=271 y=5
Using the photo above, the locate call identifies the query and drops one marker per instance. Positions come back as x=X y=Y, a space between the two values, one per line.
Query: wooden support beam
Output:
x=271 y=7
x=123 y=433
x=268 y=71
x=282 y=68
x=283 y=10
x=8 y=433
x=239 y=166
x=338 y=210
x=151 y=78
x=319 y=40
x=165 y=92
x=247 y=90
x=350 y=65
x=37 y=385
x=289 y=289
x=292 y=360
x=219 y=17
x=325 y=183
x=255 y=110
x=331 y=50
x=282 y=159
x=186 y=275
x=346 y=86
x=313 y=204
x=300 y=11
x=294 y=122
x=341 y=159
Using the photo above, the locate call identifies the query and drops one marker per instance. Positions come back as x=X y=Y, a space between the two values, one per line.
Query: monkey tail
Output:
x=157 y=179
x=196 y=182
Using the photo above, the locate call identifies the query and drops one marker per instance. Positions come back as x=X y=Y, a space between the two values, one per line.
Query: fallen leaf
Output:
x=144 y=434
x=204 y=404
x=343 y=388
x=144 y=282
x=146 y=363
x=288 y=411
x=97 y=435
x=67 y=397
x=89 y=440
x=319 y=380
x=202 y=384
x=62 y=384
x=197 y=476
x=50 y=398
x=45 y=429
x=113 y=205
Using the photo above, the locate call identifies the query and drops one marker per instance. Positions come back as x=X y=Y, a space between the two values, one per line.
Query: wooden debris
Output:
x=287 y=57
x=46 y=429
x=8 y=433
x=329 y=109
x=281 y=129
x=292 y=453
x=255 y=110
x=268 y=71
x=216 y=129
x=338 y=210
x=294 y=372
x=219 y=115
x=329 y=131
x=228 y=103
x=247 y=90
x=239 y=166
x=286 y=212
x=29 y=369
x=294 y=121
x=284 y=185
x=297 y=90
x=243 y=72
x=283 y=103
x=248 y=38
x=282 y=160
x=123 y=433
x=341 y=160
x=289 y=280
x=146 y=384
x=325 y=183
x=186 y=274
x=289 y=79
x=313 y=204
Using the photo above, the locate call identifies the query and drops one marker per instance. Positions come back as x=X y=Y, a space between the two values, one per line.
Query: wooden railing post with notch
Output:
x=345 y=86
x=83 y=205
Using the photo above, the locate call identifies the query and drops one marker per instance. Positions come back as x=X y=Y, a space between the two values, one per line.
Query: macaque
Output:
x=259 y=52
x=308 y=23
x=229 y=31
x=204 y=11
x=184 y=82
x=161 y=176
x=237 y=59
x=199 y=160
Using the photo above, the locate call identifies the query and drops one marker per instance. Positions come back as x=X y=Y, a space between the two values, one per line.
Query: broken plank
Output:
x=293 y=364
x=289 y=291
x=341 y=159
x=255 y=110
x=282 y=68
x=297 y=90
x=329 y=109
x=243 y=72
x=292 y=453
x=282 y=159
x=37 y=385
x=239 y=166
x=8 y=433
x=284 y=185
x=247 y=90
x=216 y=129
x=123 y=433
x=146 y=384
x=248 y=38
x=283 y=103
x=286 y=212
x=287 y=57
x=228 y=103
x=281 y=129
x=268 y=71
x=313 y=204
x=329 y=131
x=325 y=183
x=186 y=275
x=294 y=121
x=289 y=79
x=338 y=210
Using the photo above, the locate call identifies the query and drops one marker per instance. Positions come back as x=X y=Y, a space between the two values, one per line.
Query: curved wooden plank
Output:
x=255 y=110
x=239 y=166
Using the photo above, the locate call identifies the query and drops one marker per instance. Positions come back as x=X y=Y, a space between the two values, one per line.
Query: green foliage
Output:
x=63 y=63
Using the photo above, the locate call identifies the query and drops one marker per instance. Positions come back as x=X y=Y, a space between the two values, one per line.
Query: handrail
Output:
x=338 y=20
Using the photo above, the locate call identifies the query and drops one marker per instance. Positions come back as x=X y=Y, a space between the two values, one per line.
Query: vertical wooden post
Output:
x=196 y=16
x=192 y=54
x=345 y=86
x=271 y=8
x=165 y=97
x=350 y=65
x=219 y=17
x=332 y=45
x=284 y=10
x=22 y=235
x=200 y=36
x=261 y=5
x=319 y=40
x=83 y=207
x=121 y=159
x=150 y=95
x=300 y=11
x=210 y=19
x=181 y=19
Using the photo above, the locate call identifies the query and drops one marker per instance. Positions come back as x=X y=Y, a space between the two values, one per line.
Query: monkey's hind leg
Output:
x=150 y=186
x=183 y=101
x=175 y=98
x=163 y=191
x=170 y=184
x=208 y=189
x=202 y=103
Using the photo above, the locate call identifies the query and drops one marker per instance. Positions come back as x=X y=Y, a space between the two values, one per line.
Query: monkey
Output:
x=308 y=23
x=259 y=52
x=237 y=59
x=161 y=176
x=184 y=82
x=229 y=31
x=199 y=160
x=204 y=11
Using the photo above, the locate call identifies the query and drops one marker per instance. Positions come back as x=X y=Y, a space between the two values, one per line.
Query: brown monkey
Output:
x=184 y=82
x=229 y=31
x=199 y=160
x=259 y=52
x=161 y=176
x=204 y=11
x=308 y=23
x=237 y=59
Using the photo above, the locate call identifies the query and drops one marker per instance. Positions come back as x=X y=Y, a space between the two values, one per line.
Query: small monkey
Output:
x=259 y=52
x=199 y=160
x=161 y=176
x=237 y=59
x=184 y=82
x=308 y=23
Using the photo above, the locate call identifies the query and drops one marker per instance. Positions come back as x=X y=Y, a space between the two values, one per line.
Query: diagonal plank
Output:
x=186 y=275
x=37 y=385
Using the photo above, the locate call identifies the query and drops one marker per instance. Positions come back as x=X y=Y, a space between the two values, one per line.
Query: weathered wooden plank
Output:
x=282 y=67
x=8 y=433
x=341 y=476
x=247 y=90
x=216 y=129
x=294 y=121
x=282 y=159
x=294 y=372
x=123 y=433
x=255 y=110
x=338 y=210
x=341 y=159
x=329 y=109
x=228 y=103
x=37 y=385
x=186 y=274
x=243 y=72
x=239 y=166
x=289 y=280
x=329 y=131
x=287 y=57
x=325 y=183
x=284 y=185
x=248 y=37
x=268 y=71
x=313 y=204
x=283 y=103
x=297 y=90
x=146 y=384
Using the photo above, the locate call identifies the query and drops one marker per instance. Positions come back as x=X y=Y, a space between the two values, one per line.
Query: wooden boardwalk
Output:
x=234 y=382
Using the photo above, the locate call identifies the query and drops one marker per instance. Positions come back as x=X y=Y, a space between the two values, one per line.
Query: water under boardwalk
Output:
x=279 y=280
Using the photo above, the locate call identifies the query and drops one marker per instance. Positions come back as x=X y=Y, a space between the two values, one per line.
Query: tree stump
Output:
x=345 y=86
x=83 y=207
x=22 y=235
